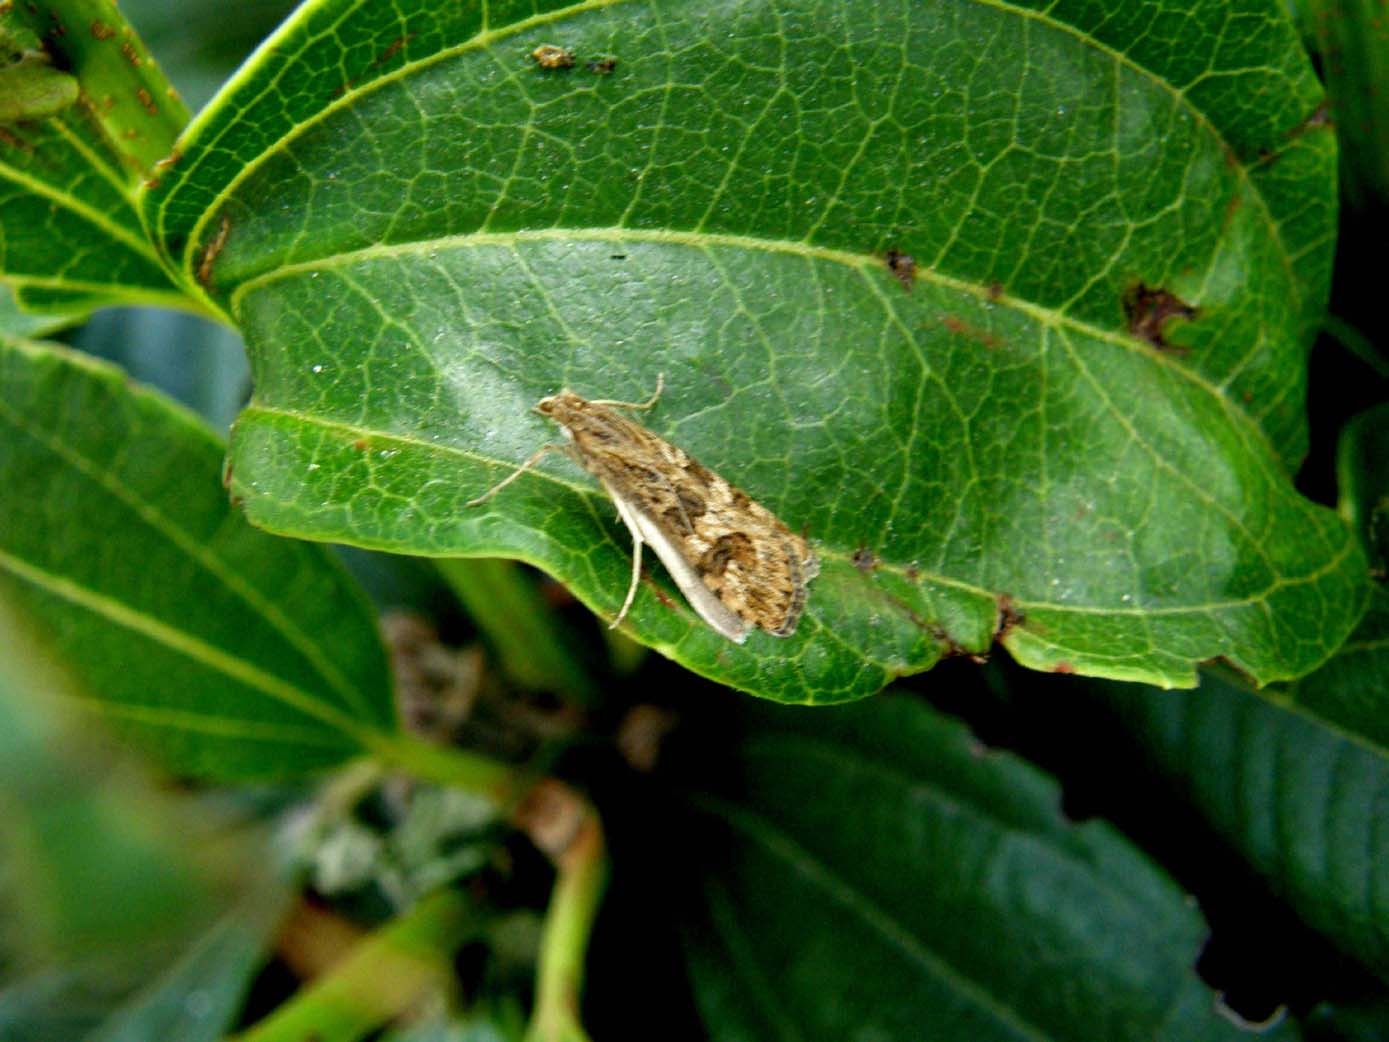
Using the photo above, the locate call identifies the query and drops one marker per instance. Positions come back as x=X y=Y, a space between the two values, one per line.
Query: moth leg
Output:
x=534 y=459
x=636 y=577
x=660 y=386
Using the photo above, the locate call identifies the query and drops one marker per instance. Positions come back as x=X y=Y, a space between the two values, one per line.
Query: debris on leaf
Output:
x=1147 y=310
x=903 y=268
x=548 y=56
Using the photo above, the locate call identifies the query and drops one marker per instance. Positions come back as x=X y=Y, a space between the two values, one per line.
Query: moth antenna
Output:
x=534 y=459
x=660 y=386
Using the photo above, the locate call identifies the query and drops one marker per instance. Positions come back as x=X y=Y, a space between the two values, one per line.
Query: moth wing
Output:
x=702 y=599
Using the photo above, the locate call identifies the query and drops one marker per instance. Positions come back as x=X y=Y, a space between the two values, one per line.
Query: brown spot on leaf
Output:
x=391 y=49
x=1009 y=617
x=361 y=445
x=102 y=31
x=864 y=559
x=1063 y=667
x=1318 y=118
x=602 y=67
x=14 y=141
x=995 y=290
x=147 y=100
x=903 y=268
x=655 y=588
x=1147 y=310
x=960 y=327
x=214 y=248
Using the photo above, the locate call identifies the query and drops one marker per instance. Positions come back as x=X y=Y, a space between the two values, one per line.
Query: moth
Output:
x=735 y=561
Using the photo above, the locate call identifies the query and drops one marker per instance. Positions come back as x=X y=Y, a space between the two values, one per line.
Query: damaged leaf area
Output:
x=422 y=230
x=1147 y=311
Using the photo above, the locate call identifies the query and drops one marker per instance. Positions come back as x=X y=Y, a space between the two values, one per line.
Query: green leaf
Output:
x=198 y=998
x=122 y=87
x=104 y=872
x=30 y=88
x=1353 y=40
x=1364 y=1021
x=16 y=322
x=228 y=652
x=1071 y=430
x=872 y=872
x=1294 y=780
x=1362 y=471
x=1350 y=693
x=1301 y=802
x=73 y=238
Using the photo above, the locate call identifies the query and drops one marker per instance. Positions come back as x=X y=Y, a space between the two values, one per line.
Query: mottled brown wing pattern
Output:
x=745 y=554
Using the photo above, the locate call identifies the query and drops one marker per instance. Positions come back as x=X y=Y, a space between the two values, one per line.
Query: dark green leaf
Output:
x=198 y=998
x=1362 y=471
x=875 y=873
x=1296 y=782
x=229 y=652
x=104 y=876
x=1302 y=803
x=1071 y=432
x=1350 y=1022
x=1352 y=37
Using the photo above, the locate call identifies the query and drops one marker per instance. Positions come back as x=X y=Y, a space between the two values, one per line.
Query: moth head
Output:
x=558 y=404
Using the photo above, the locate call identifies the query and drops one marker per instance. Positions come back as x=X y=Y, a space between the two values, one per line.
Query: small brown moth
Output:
x=734 y=560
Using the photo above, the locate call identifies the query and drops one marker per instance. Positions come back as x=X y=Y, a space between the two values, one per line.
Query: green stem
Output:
x=533 y=650
x=564 y=942
x=384 y=976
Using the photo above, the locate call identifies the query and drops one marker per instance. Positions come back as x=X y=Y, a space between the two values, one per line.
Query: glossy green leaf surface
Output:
x=229 y=653
x=872 y=872
x=73 y=238
x=1070 y=431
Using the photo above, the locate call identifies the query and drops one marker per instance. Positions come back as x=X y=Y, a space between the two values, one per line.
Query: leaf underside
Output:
x=1069 y=432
